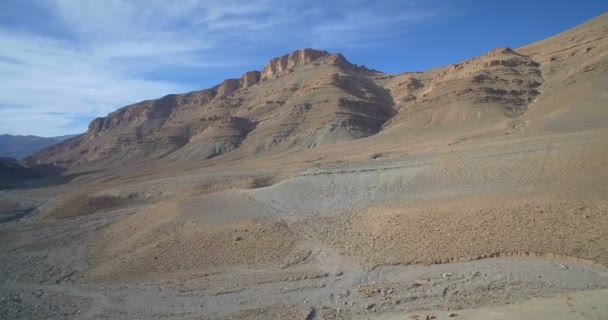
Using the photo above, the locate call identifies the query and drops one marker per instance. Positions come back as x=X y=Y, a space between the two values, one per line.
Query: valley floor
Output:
x=507 y=229
x=43 y=269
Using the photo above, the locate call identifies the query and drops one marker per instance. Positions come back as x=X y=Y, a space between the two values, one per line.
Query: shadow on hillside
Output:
x=40 y=177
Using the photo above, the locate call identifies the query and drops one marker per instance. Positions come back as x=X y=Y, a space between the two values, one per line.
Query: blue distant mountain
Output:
x=20 y=147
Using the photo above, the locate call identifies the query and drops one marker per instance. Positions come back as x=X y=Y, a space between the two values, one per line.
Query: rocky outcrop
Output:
x=250 y=78
x=338 y=60
x=500 y=51
x=286 y=63
x=228 y=86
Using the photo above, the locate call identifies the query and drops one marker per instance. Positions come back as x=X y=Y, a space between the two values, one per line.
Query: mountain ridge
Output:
x=310 y=98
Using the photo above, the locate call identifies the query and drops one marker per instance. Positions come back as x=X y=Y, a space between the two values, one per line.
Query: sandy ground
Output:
x=483 y=224
x=47 y=272
x=580 y=305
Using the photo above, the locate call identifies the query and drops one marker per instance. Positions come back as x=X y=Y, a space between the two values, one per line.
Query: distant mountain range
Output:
x=19 y=147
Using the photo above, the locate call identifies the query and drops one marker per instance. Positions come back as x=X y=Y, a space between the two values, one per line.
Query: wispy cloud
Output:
x=81 y=59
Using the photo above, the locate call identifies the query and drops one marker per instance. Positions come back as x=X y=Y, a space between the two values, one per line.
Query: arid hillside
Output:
x=311 y=98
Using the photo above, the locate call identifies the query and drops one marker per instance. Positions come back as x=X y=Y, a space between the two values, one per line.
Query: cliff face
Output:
x=310 y=98
x=285 y=64
x=250 y=78
x=229 y=86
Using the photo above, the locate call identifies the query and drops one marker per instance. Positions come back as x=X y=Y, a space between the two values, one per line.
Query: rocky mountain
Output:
x=19 y=147
x=310 y=98
x=302 y=100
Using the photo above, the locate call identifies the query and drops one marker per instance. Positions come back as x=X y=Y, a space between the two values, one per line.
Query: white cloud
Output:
x=44 y=78
x=100 y=54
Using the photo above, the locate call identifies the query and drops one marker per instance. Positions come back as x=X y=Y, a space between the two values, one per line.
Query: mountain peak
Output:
x=500 y=51
x=280 y=65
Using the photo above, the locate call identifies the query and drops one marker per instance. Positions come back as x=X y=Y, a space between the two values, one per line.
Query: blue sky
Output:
x=65 y=62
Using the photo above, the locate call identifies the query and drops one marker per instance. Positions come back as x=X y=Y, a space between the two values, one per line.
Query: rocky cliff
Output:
x=286 y=64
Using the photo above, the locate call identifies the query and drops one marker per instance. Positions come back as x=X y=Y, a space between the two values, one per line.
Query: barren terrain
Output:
x=316 y=189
